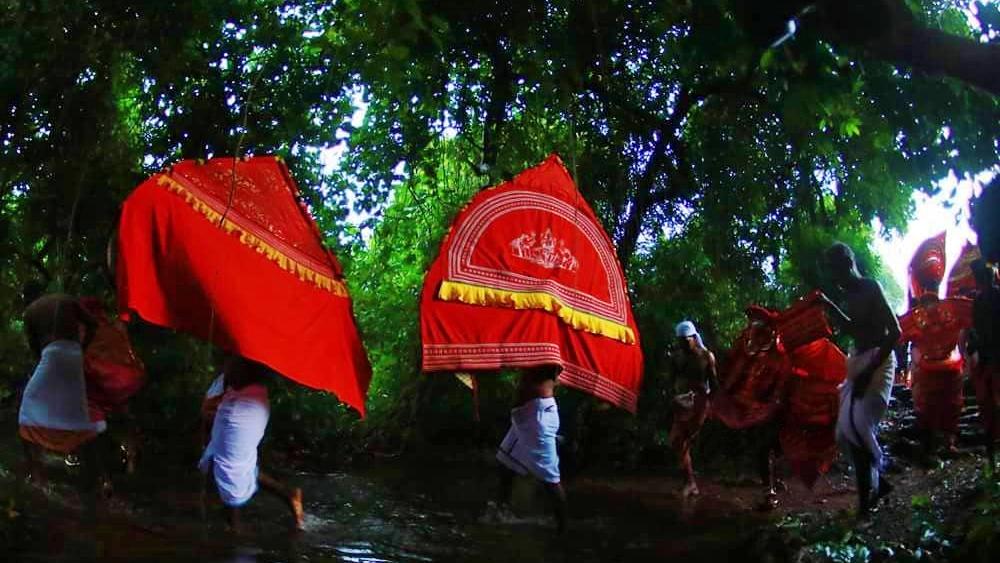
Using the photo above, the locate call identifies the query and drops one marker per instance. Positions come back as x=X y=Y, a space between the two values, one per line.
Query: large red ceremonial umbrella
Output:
x=224 y=250
x=527 y=277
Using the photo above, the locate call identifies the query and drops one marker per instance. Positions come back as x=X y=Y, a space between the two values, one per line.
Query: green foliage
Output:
x=387 y=276
x=836 y=539
x=982 y=537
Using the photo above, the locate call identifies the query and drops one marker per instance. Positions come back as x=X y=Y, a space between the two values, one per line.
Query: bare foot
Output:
x=295 y=503
x=690 y=490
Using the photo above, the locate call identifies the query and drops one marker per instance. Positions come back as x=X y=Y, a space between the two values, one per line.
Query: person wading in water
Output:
x=530 y=445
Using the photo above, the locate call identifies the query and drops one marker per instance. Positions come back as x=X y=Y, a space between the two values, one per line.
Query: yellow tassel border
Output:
x=304 y=273
x=479 y=295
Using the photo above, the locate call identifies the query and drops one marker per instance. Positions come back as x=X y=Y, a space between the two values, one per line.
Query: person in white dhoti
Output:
x=53 y=414
x=230 y=459
x=530 y=445
x=864 y=396
x=209 y=405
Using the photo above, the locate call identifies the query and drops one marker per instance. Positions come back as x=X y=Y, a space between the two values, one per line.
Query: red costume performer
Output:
x=934 y=326
x=784 y=371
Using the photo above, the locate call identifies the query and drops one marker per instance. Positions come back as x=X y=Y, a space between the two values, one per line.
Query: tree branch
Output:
x=888 y=30
x=36 y=260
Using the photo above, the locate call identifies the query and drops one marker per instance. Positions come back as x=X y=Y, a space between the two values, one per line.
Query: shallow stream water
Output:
x=398 y=511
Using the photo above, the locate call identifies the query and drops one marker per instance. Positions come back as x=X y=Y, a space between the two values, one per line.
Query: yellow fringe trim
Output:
x=479 y=295
x=303 y=272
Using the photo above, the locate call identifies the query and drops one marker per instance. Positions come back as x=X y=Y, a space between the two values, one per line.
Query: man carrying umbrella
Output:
x=530 y=444
x=237 y=430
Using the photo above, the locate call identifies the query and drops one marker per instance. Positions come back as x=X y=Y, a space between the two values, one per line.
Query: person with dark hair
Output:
x=984 y=350
x=530 y=445
x=237 y=430
x=864 y=398
x=693 y=367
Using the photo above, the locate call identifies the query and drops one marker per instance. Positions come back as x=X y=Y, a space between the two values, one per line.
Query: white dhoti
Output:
x=231 y=455
x=858 y=419
x=530 y=444
x=53 y=410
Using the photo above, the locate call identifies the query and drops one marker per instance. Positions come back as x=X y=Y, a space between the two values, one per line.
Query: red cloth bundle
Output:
x=527 y=277
x=804 y=322
x=225 y=251
x=112 y=370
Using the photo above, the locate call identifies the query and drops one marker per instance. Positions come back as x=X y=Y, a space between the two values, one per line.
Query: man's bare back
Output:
x=869 y=320
x=870 y=314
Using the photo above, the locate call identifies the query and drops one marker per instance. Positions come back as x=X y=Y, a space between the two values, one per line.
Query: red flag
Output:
x=225 y=251
x=528 y=277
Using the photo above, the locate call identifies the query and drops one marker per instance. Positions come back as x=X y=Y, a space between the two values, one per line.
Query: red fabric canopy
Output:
x=528 y=277
x=225 y=251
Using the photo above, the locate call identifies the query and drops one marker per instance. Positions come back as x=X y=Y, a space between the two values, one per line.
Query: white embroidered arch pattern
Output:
x=466 y=239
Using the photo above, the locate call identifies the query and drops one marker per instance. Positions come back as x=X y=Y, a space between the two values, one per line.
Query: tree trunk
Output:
x=501 y=92
x=888 y=30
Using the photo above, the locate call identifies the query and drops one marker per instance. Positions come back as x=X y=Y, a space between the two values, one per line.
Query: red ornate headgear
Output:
x=927 y=266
